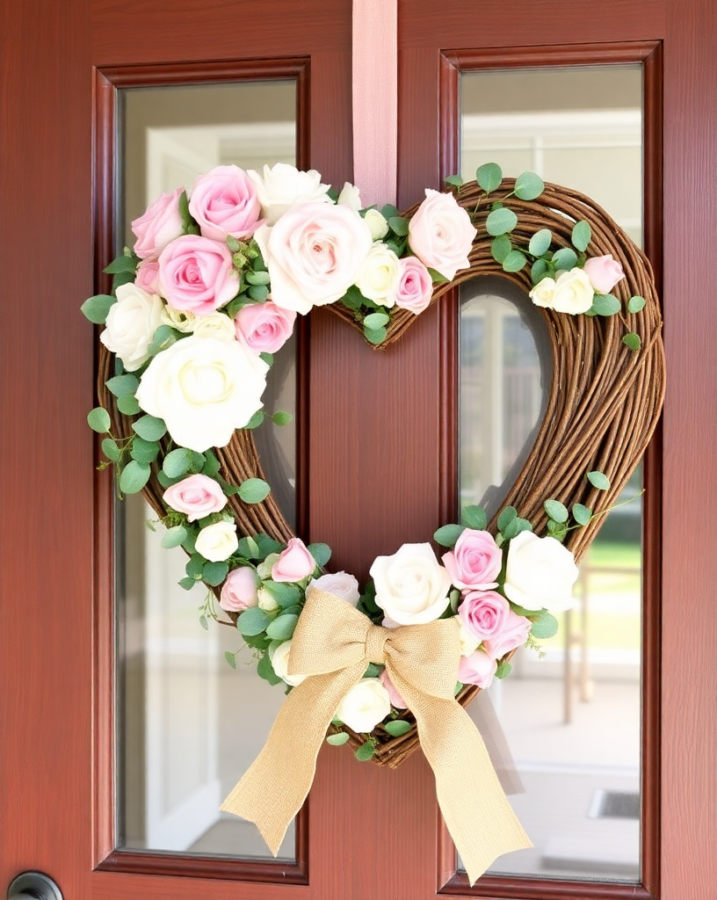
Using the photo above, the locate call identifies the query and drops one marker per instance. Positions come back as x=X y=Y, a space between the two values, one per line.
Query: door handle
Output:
x=33 y=886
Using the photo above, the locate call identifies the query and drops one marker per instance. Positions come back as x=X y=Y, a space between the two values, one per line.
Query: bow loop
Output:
x=426 y=656
x=330 y=635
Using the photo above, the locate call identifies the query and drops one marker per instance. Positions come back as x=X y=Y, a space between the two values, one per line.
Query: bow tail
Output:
x=274 y=788
x=475 y=809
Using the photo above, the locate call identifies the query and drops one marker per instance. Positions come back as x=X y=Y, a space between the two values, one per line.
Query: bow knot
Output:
x=376 y=638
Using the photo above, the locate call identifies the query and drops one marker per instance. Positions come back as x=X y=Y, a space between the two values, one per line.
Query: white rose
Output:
x=340 y=584
x=217 y=325
x=468 y=641
x=365 y=705
x=282 y=185
x=203 y=389
x=217 y=542
x=573 y=292
x=378 y=226
x=279 y=657
x=540 y=573
x=411 y=586
x=266 y=601
x=131 y=323
x=379 y=275
x=181 y=319
x=350 y=196
x=314 y=254
x=543 y=294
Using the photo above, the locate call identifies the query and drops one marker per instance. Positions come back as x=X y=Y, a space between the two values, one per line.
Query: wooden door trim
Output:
x=649 y=55
x=107 y=82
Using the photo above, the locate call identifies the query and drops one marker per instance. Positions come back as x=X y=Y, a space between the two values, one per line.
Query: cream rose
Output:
x=131 y=323
x=377 y=224
x=379 y=275
x=281 y=186
x=573 y=292
x=365 y=705
x=181 y=319
x=217 y=542
x=203 y=389
x=350 y=196
x=467 y=640
x=216 y=325
x=314 y=254
x=279 y=657
x=411 y=587
x=340 y=584
x=266 y=601
x=543 y=294
x=540 y=573
x=441 y=234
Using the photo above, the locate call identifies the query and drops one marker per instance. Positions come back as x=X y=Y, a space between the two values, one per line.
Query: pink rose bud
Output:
x=475 y=561
x=604 y=273
x=415 y=287
x=441 y=234
x=158 y=226
x=224 y=201
x=197 y=496
x=483 y=613
x=294 y=564
x=397 y=700
x=513 y=633
x=239 y=591
x=197 y=274
x=148 y=275
x=264 y=327
x=478 y=668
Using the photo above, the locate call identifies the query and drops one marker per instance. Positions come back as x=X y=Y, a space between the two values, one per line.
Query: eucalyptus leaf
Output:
x=214 y=573
x=186 y=583
x=254 y=490
x=635 y=304
x=632 y=340
x=252 y=621
x=528 y=186
x=365 y=752
x=177 y=462
x=123 y=385
x=565 y=259
x=99 y=420
x=134 y=477
x=501 y=221
x=500 y=247
x=605 y=305
x=122 y=264
x=150 y=428
x=540 y=242
x=397 y=727
x=399 y=225
x=282 y=418
x=320 y=552
x=266 y=671
x=447 y=535
x=599 y=480
x=474 y=517
x=556 y=510
x=174 y=537
x=211 y=465
x=376 y=320
x=96 y=308
x=284 y=593
x=489 y=176
x=581 y=236
x=255 y=420
x=128 y=406
x=111 y=450
x=539 y=270
x=506 y=517
x=581 y=514
x=504 y=669
x=544 y=627
x=282 y=628
x=454 y=180
x=514 y=261
x=337 y=740
x=257 y=277
x=230 y=658
x=375 y=335
x=258 y=292
x=437 y=277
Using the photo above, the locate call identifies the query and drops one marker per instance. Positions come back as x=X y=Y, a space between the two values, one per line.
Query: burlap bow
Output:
x=333 y=644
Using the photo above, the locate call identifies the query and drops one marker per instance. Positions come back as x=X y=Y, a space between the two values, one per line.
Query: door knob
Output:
x=33 y=886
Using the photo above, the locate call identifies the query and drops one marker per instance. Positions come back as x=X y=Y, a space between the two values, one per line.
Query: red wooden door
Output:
x=369 y=834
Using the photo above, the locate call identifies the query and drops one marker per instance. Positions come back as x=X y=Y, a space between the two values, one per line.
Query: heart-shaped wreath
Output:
x=211 y=290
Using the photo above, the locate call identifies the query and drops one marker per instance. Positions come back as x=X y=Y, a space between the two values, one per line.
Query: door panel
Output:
x=385 y=475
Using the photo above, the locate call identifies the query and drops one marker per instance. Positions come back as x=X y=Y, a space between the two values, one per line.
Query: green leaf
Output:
x=99 y=420
x=635 y=304
x=282 y=628
x=254 y=490
x=267 y=545
x=447 y=535
x=375 y=335
x=556 y=510
x=437 y=277
x=257 y=277
x=163 y=336
x=365 y=752
x=539 y=270
x=397 y=727
x=565 y=259
x=252 y=621
x=545 y=627
x=150 y=428
x=528 y=186
x=376 y=320
x=474 y=517
x=454 y=180
x=372 y=671
x=174 y=537
x=503 y=670
x=203 y=622
x=282 y=418
x=581 y=236
x=337 y=740
x=111 y=449
x=194 y=566
x=506 y=517
x=632 y=340
x=388 y=211
x=128 y=406
x=605 y=305
x=96 y=308
x=500 y=247
x=258 y=292
x=320 y=552
x=489 y=177
x=581 y=514
x=211 y=465
x=511 y=529
x=186 y=583
x=123 y=385
x=540 y=242
x=599 y=480
x=284 y=593
x=266 y=671
x=514 y=261
x=134 y=477
x=214 y=573
x=122 y=264
x=177 y=462
x=556 y=529
x=521 y=525
x=501 y=221
x=230 y=658
x=255 y=420
x=398 y=225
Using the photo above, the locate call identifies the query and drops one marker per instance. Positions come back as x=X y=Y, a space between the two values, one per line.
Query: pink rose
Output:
x=478 y=668
x=294 y=563
x=441 y=235
x=475 y=561
x=148 y=275
x=513 y=633
x=264 y=327
x=196 y=274
x=483 y=613
x=604 y=273
x=415 y=287
x=396 y=699
x=239 y=591
x=161 y=224
x=314 y=254
x=224 y=201
x=197 y=496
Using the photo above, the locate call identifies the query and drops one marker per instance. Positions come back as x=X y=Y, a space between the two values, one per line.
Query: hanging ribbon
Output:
x=333 y=644
x=375 y=103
